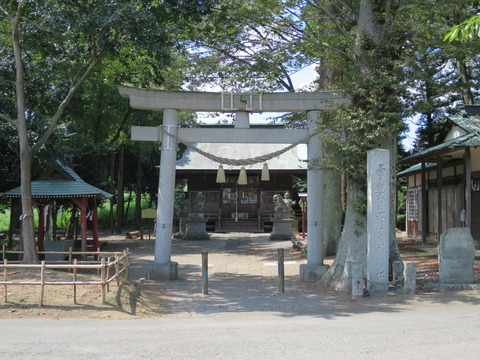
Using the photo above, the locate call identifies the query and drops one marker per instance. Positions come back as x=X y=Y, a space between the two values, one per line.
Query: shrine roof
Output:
x=60 y=182
x=293 y=159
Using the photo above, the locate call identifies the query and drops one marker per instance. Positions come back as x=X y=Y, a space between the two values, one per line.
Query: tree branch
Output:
x=6 y=13
x=6 y=118
x=63 y=105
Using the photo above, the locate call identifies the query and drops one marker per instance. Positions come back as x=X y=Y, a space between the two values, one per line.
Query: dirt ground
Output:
x=128 y=300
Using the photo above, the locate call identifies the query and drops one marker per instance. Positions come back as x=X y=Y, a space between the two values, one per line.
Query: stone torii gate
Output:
x=171 y=103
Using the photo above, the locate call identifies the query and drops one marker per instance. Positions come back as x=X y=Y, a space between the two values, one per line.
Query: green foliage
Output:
x=4 y=220
x=242 y=46
x=466 y=31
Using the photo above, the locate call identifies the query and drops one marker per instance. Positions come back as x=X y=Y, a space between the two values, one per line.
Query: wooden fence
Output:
x=109 y=265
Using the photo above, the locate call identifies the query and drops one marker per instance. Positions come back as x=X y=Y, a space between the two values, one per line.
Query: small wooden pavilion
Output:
x=63 y=186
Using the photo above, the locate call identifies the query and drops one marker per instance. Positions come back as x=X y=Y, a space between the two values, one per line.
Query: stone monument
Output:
x=456 y=254
x=196 y=222
x=282 y=220
x=378 y=220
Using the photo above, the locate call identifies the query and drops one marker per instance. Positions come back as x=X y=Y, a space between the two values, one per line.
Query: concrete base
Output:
x=312 y=273
x=196 y=229
x=377 y=289
x=282 y=229
x=157 y=271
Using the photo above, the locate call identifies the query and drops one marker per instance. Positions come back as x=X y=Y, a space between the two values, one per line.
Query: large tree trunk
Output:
x=332 y=214
x=353 y=242
x=30 y=255
x=374 y=19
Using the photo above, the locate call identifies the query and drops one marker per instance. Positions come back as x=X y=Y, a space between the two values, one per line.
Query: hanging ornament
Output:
x=265 y=173
x=242 y=178
x=220 y=175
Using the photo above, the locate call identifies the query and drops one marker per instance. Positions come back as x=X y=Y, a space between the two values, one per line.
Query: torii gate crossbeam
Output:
x=242 y=104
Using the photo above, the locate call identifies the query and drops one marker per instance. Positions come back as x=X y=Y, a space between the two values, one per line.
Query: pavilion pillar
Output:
x=314 y=269
x=96 y=244
x=163 y=268
x=41 y=226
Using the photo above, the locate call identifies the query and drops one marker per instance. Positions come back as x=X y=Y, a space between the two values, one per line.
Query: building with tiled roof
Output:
x=444 y=182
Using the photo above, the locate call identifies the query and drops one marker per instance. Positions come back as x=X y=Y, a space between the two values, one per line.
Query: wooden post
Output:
x=281 y=271
x=117 y=270
x=103 y=275
x=41 y=226
x=205 y=272
x=108 y=274
x=125 y=263
x=95 y=225
x=42 y=281
x=424 y=206
x=74 y=281
x=468 y=188
x=439 y=198
x=70 y=255
x=5 y=276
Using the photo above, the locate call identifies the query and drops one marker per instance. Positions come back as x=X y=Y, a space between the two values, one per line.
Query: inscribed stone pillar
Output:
x=163 y=267
x=314 y=269
x=378 y=200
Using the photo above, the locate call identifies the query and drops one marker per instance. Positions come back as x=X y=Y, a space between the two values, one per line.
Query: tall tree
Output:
x=439 y=74
x=54 y=46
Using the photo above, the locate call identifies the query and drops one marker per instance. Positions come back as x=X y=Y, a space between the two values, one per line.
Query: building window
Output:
x=412 y=199
x=210 y=196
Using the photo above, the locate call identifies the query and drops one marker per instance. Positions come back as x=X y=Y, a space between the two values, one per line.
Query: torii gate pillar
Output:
x=163 y=267
x=314 y=269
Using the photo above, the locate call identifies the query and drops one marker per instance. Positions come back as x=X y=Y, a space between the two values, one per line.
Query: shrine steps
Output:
x=247 y=226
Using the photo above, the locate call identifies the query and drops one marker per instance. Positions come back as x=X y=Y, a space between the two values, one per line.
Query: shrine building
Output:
x=231 y=205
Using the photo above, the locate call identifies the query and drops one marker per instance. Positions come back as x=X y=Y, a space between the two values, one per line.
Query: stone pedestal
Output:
x=312 y=273
x=282 y=229
x=456 y=254
x=196 y=229
x=156 y=271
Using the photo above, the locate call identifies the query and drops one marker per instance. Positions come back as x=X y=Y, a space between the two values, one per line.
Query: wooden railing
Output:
x=109 y=265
